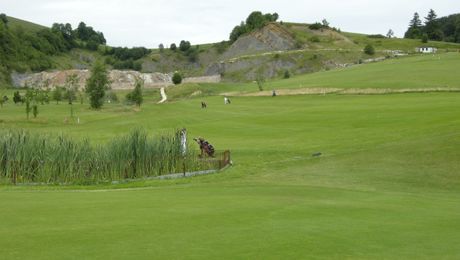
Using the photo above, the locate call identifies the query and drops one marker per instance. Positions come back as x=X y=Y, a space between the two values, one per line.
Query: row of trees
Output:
x=124 y=58
x=96 y=87
x=442 y=29
x=185 y=48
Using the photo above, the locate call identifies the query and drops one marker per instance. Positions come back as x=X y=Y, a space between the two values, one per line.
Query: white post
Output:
x=183 y=141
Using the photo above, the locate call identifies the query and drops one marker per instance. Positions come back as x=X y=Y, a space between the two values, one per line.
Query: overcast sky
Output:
x=149 y=23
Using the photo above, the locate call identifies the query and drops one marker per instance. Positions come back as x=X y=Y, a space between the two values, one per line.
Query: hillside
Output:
x=269 y=52
x=16 y=23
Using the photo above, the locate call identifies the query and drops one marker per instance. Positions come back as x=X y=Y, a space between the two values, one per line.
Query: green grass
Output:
x=25 y=25
x=386 y=186
x=413 y=72
x=423 y=71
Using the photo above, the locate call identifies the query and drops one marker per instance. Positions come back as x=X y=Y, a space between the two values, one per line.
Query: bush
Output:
x=314 y=39
x=135 y=96
x=315 y=26
x=376 y=36
x=221 y=47
x=425 y=38
x=287 y=74
x=177 y=78
x=111 y=96
x=369 y=49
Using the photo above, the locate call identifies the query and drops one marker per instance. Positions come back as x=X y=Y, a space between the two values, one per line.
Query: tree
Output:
x=136 y=95
x=177 y=78
x=173 y=47
x=4 y=19
x=390 y=33
x=161 y=47
x=325 y=23
x=432 y=27
x=415 y=22
x=369 y=49
x=57 y=94
x=35 y=110
x=287 y=74
x=27 y=108
x=71 y=86
x=431 y=16
x=255 y=20
x=415 y=28
x=260 y=80
x=97 y=84
x=17 y=97
x=424 y=38
x=184 y=45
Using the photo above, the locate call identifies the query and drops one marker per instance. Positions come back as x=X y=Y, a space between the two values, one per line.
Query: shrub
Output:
x=287 y=74
x=369 y=49
x=177 y=78
x=135 y=96
x=376 y=36
x=314 y=39
x=35 y=110
x=315 y=26
x=111 y=96
x=425 y=38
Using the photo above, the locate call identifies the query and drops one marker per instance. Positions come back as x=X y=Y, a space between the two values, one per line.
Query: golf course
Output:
x=354 y=176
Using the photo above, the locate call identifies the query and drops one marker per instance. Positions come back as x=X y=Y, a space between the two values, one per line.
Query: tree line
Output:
x=434 y=28
x=24 y=50
x=254 y=21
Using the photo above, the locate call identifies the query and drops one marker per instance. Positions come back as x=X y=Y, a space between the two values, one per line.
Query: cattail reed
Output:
x=27 y=157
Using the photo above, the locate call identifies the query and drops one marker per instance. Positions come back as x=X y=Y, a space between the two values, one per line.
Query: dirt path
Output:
x=163 y=96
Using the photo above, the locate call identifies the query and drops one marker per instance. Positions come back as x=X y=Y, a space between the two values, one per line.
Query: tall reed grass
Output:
x=27 y=157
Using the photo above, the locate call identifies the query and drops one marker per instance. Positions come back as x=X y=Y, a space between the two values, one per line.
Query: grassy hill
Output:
x=413 y=73
x=315 y=50
x=16 y=23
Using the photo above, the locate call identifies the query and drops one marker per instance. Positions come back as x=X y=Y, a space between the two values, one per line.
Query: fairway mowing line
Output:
x=381 y=146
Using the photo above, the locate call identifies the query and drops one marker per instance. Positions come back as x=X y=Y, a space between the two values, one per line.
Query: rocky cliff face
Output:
x=272 y=37
x=119 y=79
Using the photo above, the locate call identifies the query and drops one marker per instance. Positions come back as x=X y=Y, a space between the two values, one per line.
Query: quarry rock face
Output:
x=272 y=37
x=119 y=79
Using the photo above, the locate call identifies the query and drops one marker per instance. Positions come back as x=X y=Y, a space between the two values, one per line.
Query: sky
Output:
x=148 y=23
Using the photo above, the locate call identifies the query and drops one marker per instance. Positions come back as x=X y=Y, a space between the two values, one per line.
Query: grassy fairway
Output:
x=411 y=72
x=415 y=72
x=387 y=185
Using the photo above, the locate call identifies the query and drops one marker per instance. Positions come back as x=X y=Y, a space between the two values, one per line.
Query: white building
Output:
x=426 y=49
